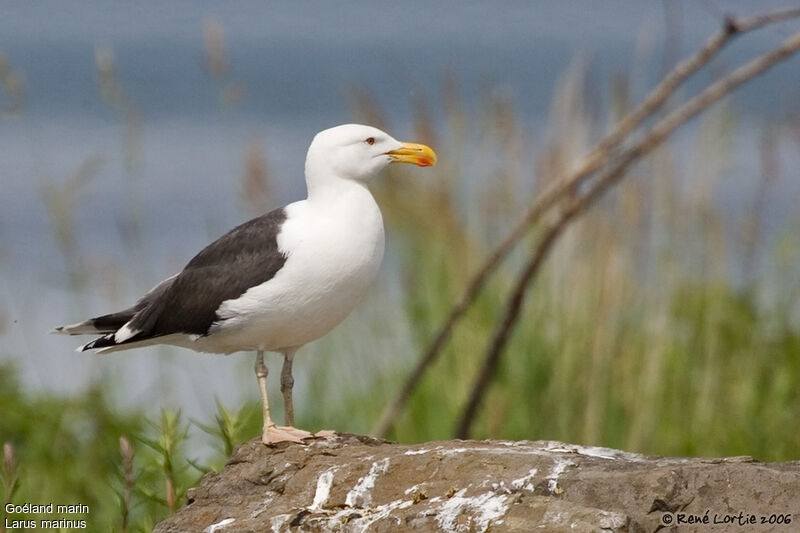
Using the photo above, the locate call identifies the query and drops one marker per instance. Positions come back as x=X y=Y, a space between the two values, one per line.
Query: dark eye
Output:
x=370 y=140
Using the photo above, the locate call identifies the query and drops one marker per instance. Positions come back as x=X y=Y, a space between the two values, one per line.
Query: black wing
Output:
x=245 y=257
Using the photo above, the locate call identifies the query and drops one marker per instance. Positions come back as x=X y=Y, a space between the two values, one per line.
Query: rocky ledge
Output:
x=355 y=483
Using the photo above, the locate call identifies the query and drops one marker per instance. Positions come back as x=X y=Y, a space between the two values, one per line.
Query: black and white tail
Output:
x=107 y=326
x=114 y=329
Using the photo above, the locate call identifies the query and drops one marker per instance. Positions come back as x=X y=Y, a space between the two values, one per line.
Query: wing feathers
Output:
x=187 y=303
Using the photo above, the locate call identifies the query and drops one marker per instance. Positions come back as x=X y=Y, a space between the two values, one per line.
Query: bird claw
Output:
x=274 y=434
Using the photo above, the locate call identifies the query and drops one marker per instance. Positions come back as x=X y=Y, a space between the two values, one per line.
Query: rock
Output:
x=352 y=483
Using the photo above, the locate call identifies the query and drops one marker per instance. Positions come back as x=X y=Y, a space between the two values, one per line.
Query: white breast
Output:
x=334 y=250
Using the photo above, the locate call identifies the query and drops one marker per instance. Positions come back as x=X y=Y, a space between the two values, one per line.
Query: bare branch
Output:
x=650 y=140
x=559 y=188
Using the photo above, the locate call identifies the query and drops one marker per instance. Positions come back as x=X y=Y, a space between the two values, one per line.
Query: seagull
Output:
x=279 y=281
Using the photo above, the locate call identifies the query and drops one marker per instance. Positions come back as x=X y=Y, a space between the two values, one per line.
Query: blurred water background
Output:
x=124 y=151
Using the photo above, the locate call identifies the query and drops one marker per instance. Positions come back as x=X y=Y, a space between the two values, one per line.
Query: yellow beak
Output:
x=417 y=154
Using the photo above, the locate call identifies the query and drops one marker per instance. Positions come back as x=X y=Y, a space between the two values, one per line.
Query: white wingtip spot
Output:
x=124 y=333
x=83 y=347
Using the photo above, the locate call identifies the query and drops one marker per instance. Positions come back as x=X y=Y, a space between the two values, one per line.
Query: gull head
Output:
x=358 y=152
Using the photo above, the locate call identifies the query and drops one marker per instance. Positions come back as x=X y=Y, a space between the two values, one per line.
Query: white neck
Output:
x=324 y=187
x=327 y=190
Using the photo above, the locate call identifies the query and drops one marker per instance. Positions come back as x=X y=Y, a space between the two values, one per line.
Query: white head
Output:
x=357 y=152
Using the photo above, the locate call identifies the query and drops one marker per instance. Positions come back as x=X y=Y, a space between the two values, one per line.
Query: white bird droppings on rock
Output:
x=277 y=522
x=411 y=489
x=264 y=506
x=422 y=450
x=360 y=495
x=324 y=482
x=559 y=466
x=594 y=451
x=363 y=521
x=480 y=511
x=524 y=482
x=219 y=525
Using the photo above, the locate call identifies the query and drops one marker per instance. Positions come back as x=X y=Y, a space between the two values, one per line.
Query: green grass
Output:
x=638 y=334
x=76 y=451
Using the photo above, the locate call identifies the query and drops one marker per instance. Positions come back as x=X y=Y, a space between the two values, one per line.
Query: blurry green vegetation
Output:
x=661 y=324
x=131 y=472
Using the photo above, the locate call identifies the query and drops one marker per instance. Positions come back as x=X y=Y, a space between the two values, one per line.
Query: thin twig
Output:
x=650 y=140
x=560 y=187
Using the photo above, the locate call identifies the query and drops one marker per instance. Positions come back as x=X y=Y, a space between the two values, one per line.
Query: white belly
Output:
x=333 y=255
